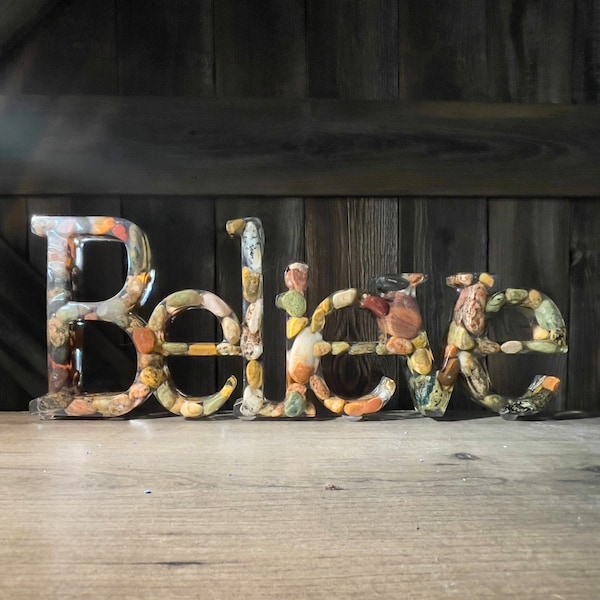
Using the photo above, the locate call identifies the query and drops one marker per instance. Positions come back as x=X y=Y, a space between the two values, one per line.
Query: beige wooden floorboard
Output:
x=398 y=508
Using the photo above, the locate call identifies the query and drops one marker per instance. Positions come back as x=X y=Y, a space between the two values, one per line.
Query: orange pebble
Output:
x=120 y=232
x=203 y=349
x=103 y=226
x=80 y=408
x=363 y=407
x=552 y=384
x=144 y=339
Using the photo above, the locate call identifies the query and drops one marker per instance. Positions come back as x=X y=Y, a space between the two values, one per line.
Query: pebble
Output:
x=152 y=376
x=543 y=347
x=358 y=408
x=254 y=318
x=144 y=339
x=191 y=410
x=252 y=245
x=511 y=347
x=317 y=322
x=548 y=316
x=399 y=345
x=294 y=405
x=516 y=295
x=202 y=349
x=421 y=361
x=460 y=337
x=322 y=349
x=534 y=299
x=339 y=348
x=495 y=303
x=251 y=285
x=539 y=333
x=294 y=303
x=166 y=395
x=344 y=298
x=551 y=383
x=359 y=348
x=319 y=387
x=183 y=299
x=487 y=346
x=251 y=345
x=174 y=348
x=301 y=362
x=477 y=378
x=254 y=374
x=404 y=318
x=231 y=329
x=377 y=305
x=296 y=277
x=227 y=349
x=294 y=326
x=449 y=374
x=158 y=318
x=487 y=280
x=214 y=304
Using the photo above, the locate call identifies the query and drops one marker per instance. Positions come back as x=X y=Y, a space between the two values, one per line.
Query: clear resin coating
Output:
x=66 y=237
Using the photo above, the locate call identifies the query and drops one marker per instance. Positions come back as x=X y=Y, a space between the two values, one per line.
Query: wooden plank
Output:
x=72 y=52
x=443 y=50
x=307 y=147
x=586 y=60
x=166 y=47
x=395 y=508
x=532 y=49
x=260 y=48
x=352 y=49
x=450 y=236
x=584 y=354
x=529 y=248
x=17 y=17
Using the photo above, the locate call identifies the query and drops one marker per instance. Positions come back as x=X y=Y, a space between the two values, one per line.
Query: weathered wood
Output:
x=227 y=146
x=586 y=60
x=443 y=50
x=529 y=248
x=17 y=17
x=352 y=49
x=166 y=47
x=260 y=48
x=398 y=508
x=72 y=52
x=584 y=321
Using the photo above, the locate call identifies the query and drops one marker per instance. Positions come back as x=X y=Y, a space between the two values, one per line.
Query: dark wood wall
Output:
x=505 y=51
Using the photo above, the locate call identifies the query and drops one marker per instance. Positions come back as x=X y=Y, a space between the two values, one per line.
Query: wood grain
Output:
x=307 y=147
x=400 y=507
x=73 y=51
x=166 y=47
x=260 y=48
x=352 y=49
x=584 y=313
x=586 y=53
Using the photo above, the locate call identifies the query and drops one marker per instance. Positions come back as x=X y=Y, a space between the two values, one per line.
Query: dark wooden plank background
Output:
x=396 y=50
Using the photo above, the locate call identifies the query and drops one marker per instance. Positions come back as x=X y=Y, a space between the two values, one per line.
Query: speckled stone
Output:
x=231 y=330
x=344 y=298
x=292 y=302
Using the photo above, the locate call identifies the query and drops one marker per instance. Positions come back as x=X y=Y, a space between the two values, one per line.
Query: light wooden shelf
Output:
x=395 y=507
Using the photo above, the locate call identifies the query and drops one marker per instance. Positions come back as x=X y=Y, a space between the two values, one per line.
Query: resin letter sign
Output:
x=392 y=304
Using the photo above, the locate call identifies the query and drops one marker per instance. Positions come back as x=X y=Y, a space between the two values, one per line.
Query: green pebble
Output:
x=294 y=303
x=495 y=303
x=67 y=314
x=544 y=347
x=548 y=316
x=294 y=405
x=516 y=295
x=175 y=348
x=184 y=298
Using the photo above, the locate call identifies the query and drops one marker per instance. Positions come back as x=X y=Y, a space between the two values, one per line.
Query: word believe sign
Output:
x=393 y=305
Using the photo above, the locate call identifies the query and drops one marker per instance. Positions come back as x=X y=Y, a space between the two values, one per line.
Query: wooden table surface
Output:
x=395 y=507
